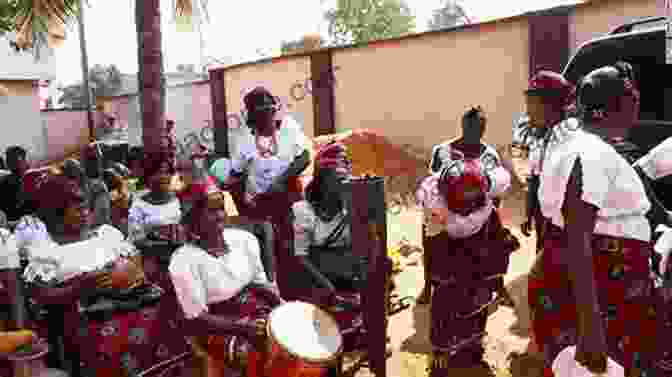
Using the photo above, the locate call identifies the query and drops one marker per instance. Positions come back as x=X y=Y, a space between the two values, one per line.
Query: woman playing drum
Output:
x=470 y=252
x=222 y=288
x=591 y=285
x=70 y=261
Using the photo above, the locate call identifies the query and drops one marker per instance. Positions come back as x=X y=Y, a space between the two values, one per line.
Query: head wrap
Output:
x=334 y=155
x=202 y=202
x=154 y=161
x=601 y=91
x=55 y=192
x=549 y=84
x=459 y=177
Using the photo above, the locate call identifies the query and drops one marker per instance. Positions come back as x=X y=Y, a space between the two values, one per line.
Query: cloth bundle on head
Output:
x=56 y=192
x=553 y=87
x=460 y=177
x=334 y=156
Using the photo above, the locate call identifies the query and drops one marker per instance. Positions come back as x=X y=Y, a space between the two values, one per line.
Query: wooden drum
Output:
x=303 y=340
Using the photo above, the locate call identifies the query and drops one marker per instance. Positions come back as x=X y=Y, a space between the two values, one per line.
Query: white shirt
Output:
x=9 y=251
x=262 y=170
x=201 y=279
x=310 y=230
x=658 y=162
x=50 y=262
x=609 y=183
x=143 y=216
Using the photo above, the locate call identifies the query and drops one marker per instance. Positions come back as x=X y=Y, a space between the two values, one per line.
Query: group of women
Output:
x=121 y=271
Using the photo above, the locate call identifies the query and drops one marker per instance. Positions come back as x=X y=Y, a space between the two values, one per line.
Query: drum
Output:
x=303 y=340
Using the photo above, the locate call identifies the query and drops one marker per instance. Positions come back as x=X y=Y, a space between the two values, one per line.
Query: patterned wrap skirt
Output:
x=117 y=342
x=465 y=273
x=627 y=299
x=234 y=354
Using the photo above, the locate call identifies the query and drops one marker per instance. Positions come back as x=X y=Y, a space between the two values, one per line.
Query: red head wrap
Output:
x=334 y=155
x=57 y=192
x=459 y=177
x=551 y=85
x=154 y=161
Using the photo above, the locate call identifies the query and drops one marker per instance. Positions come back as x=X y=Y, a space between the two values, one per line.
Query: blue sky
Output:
x=238 y=29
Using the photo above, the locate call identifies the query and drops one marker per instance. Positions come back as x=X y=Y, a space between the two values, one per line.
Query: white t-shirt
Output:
x=658 y=162
x=201 y=279
x=609 y=183
x=9 y=251
x=143 y=216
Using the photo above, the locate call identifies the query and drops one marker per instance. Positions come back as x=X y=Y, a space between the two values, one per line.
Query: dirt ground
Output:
x=507 y=327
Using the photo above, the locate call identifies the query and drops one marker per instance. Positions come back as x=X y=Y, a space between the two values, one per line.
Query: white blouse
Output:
x=53 y=263
x=262 y=170
x=658 y=162
x=609 y=183
x=9 y=251
x=201 y=279
x=143 y=216
x=310 y=230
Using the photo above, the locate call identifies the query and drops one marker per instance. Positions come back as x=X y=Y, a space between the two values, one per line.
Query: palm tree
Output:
x=30 y=16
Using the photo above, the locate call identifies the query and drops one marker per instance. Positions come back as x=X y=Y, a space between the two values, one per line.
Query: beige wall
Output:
x=416 y=90
x=278 y=76
x=599 y=17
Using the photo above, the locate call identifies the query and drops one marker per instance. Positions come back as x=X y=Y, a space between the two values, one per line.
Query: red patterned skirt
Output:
x=465 y=274
x=626 y=295
x=230 y=352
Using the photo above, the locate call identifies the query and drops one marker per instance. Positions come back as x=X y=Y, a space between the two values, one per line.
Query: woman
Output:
x=160 y=206
x=93 y=184
x=270 y=173
x=222 y=289
x=65 y=271
x=548 y=97
x=468 y=147
x=116 y=179
x=470 y=252
x=136 y=157
x=591 y=286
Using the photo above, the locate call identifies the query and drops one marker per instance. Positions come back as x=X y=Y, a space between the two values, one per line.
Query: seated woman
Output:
x=66 y=271
x=470 y=253
x=116 y=179
x=327 y=266
x=222 y=288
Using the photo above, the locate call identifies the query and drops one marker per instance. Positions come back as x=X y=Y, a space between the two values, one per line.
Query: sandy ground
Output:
x=507 y=327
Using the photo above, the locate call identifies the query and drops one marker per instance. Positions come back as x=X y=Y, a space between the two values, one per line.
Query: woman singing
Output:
x=222 y=288
x=470 y=250
x=67 y=266
x=591 y=285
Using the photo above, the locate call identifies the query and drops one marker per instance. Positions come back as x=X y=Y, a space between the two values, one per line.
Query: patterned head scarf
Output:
x=56 y=192
x=335 y=156
x=460 y=177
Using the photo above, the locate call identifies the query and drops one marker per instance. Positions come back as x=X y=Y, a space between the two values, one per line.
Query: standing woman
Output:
x=548 y=97
x=468 y=147
x=470 y=253
x=271 y=172
x=591 y=286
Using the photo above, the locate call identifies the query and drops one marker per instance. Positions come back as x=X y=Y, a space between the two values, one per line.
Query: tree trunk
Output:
x=150 y=73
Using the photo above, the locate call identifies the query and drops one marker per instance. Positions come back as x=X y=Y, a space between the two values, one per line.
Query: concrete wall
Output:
x=21 y=119
x=23 y=65
x=415 y=91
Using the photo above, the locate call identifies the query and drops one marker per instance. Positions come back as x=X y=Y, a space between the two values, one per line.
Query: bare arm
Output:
x=580 y=218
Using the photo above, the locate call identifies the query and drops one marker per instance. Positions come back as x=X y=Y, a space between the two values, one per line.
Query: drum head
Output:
x=305 y=331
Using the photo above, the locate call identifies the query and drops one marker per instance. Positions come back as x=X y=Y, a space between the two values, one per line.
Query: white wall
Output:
x=22 y=125
x=23 y=65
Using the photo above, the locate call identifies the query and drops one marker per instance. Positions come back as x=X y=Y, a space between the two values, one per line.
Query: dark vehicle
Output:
x=642 y=44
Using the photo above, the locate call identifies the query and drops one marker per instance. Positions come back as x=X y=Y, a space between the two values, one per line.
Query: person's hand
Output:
x=526 y=228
